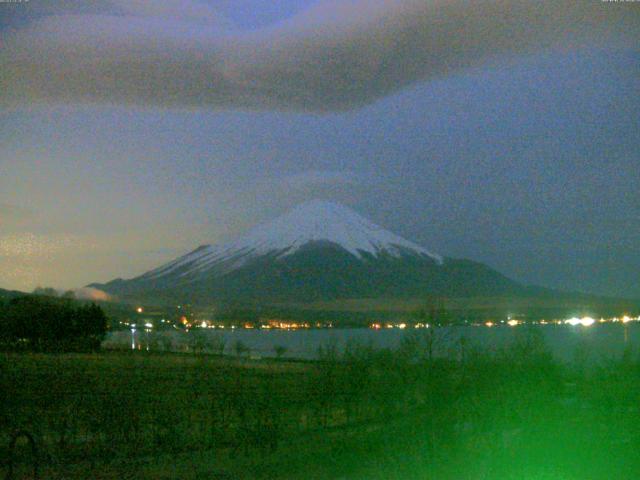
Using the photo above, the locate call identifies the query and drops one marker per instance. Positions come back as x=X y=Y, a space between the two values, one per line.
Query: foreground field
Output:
x=367 y=414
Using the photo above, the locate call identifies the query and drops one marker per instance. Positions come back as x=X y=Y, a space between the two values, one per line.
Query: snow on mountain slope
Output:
x=314 y=221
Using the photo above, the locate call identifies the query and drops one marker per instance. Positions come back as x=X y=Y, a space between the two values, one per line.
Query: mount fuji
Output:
x=317 y=251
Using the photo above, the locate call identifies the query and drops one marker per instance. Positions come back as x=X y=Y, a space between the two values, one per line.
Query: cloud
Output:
x=10 y=210
x=13 y=214
x=337 y=55
x=90 y=293
x=30 y=245
x=321 y=178
x=174 y=10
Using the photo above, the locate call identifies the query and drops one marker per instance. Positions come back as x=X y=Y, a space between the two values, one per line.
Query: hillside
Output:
x=317 y=251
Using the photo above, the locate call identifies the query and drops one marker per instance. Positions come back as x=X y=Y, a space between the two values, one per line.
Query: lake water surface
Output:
x=598 y=342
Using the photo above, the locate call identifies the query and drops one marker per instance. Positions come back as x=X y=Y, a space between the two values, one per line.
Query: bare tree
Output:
x=279 y=350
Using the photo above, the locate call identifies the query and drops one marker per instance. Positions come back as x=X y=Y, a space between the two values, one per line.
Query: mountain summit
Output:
x=318 y=250
x=319 y=220
x=312 y=222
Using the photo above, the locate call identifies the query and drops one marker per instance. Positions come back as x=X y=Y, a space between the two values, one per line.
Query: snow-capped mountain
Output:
x=315 y=221
x=318 y=250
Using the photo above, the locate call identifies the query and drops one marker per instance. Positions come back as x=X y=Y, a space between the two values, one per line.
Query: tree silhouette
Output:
x=41 y=323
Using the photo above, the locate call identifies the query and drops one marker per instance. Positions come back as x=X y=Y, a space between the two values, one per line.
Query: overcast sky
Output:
x=528 y=161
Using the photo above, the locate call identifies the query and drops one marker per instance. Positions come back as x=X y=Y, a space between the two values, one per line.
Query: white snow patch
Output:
x=309 y=222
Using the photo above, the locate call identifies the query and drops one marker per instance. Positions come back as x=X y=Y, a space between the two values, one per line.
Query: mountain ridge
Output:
x=311 y=221
x=318 y=250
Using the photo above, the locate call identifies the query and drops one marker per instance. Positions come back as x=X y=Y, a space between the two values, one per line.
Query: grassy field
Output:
x=364 y=414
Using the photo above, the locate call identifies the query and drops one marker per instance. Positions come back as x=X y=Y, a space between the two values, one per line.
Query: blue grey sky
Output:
x=529 y=162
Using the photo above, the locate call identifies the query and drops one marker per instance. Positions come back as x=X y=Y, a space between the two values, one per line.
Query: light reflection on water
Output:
x=598 y=342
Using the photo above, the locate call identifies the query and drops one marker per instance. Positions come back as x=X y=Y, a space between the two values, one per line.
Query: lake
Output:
x=596 y=343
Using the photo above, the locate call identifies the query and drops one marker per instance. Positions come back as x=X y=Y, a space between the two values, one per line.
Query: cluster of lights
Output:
x=588 y=321
x=626 y=319
x=584 y=321
x=401 y=326
x=210 y=326
x=276 y=324
x=272 y=324
x=284 y=325
x=512 y=322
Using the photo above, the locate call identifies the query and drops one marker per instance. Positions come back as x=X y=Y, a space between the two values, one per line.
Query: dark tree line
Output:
x=36 y=323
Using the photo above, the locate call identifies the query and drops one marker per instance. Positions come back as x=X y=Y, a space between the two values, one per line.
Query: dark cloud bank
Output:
x=338 y=54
